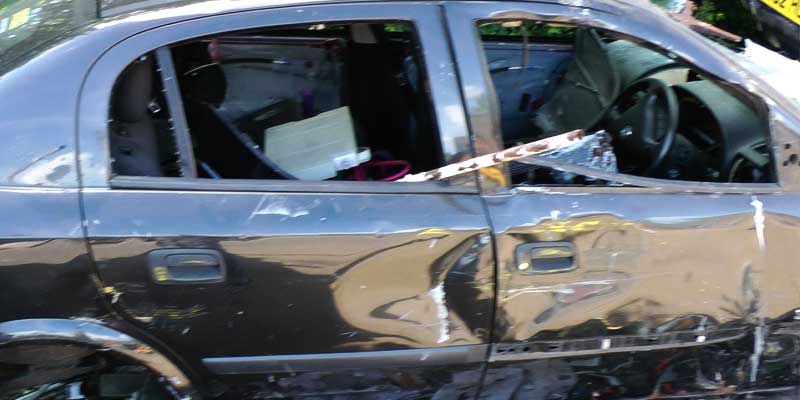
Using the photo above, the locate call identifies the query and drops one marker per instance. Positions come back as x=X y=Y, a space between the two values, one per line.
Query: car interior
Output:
x=350 y=102
x=665 y=119
x=317 y=102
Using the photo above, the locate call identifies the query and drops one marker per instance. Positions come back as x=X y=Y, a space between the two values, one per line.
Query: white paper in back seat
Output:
x=309 y=149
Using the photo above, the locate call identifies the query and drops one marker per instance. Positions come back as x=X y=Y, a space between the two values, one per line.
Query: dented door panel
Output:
x=669 y=293
x=307 y=276
x=43 y=254
x=663 y=290
x=348 y=289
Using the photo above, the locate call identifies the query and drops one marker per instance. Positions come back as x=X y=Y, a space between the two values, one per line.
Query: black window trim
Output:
x=422 y=15
x=287 y=186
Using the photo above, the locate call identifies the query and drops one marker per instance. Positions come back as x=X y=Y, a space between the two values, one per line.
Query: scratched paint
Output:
x=437 y=294
x=698 y=272
x=758 y=220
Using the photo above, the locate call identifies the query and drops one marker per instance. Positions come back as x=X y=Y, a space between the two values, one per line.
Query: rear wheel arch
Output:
x=41 y=340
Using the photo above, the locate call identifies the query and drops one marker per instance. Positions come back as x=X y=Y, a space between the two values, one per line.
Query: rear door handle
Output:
x=545 y=258
x=186 y=266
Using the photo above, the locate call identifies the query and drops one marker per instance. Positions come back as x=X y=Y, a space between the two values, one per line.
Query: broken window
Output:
x=312 y=102
x=644 y=113
x=141 y=132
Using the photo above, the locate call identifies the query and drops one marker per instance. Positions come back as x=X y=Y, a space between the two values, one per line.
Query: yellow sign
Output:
x=788 y=8
x=19 y=18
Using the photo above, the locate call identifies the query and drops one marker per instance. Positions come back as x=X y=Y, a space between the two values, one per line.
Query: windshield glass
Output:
x=26 y=24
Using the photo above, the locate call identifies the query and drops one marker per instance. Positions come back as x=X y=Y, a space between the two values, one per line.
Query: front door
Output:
x=298 y=287
x=622 y=273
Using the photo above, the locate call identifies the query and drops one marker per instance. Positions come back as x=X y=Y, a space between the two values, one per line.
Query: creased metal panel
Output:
x=677 y=287
x=306 y=273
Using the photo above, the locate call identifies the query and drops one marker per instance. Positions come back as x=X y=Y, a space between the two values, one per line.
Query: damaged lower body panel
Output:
x=687 y=365
x=624 y=295
x=453 y=372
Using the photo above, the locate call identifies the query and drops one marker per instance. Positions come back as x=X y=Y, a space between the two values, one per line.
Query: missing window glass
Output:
x=645 y=114
x=311 y=102
x=141 y=132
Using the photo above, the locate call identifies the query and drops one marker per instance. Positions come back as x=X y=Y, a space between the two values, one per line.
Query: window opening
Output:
x=644 y=113
x=312 y=102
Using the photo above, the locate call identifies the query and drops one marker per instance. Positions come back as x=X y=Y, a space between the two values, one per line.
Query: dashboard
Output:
x=719 y=138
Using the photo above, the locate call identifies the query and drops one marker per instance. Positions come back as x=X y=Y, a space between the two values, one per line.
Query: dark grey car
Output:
x=203 y=200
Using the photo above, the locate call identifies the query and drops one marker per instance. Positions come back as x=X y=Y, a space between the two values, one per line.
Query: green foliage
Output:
x=730 y=15
x=664 y=3
x=527 y=28
x=397 y=27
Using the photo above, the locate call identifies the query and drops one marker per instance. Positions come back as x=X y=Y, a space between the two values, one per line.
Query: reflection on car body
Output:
x=206 y=200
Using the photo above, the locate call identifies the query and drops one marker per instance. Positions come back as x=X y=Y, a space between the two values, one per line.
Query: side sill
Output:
x=355 y=360
x=543 y=349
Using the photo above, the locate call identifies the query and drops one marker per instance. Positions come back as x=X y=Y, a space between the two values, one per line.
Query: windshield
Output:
x=26 y=24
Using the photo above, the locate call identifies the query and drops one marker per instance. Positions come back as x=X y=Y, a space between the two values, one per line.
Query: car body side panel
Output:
x=668 y=290
x=440 y=382
x=45 y=269
x=43 y=257
x=38 y=125
x=671 y=291
x=307 y=274
x=316 y=274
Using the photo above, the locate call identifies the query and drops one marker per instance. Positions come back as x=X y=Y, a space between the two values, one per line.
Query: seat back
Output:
x=589 y=85
x=388 y=101
x=133 y=139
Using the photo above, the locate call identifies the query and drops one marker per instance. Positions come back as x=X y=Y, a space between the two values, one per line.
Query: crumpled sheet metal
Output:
x=717 y=279
x=592 y=151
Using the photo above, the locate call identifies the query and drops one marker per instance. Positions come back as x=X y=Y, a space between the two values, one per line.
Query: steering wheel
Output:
x=643 y=120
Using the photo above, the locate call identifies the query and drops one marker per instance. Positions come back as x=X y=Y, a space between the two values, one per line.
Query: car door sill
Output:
x=542 y=349
x=456 y=355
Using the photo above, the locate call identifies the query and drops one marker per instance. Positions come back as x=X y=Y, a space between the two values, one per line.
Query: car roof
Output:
x=47 y=24
x=113 y=8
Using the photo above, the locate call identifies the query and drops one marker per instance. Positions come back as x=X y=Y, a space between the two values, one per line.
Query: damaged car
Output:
x=347 y=199
x=780 y=22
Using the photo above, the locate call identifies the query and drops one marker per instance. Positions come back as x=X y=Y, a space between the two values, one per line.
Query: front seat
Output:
x=219 y=144
x=587 y=88
x=133 y=139
x=387 y=101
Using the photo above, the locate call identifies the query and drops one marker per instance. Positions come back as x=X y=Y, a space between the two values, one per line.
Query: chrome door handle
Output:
x=186 y=266
x=545 y=257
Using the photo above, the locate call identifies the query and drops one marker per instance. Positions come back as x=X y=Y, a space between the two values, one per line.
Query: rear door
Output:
x=296 y=287
x=652 y=288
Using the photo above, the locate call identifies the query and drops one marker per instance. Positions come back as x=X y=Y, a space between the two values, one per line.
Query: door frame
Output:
x=451 y=121
x=527 y=208
x=450 y=117
x=484 y=112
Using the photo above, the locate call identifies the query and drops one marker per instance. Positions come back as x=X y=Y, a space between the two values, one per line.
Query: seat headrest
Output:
x=134 y=92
